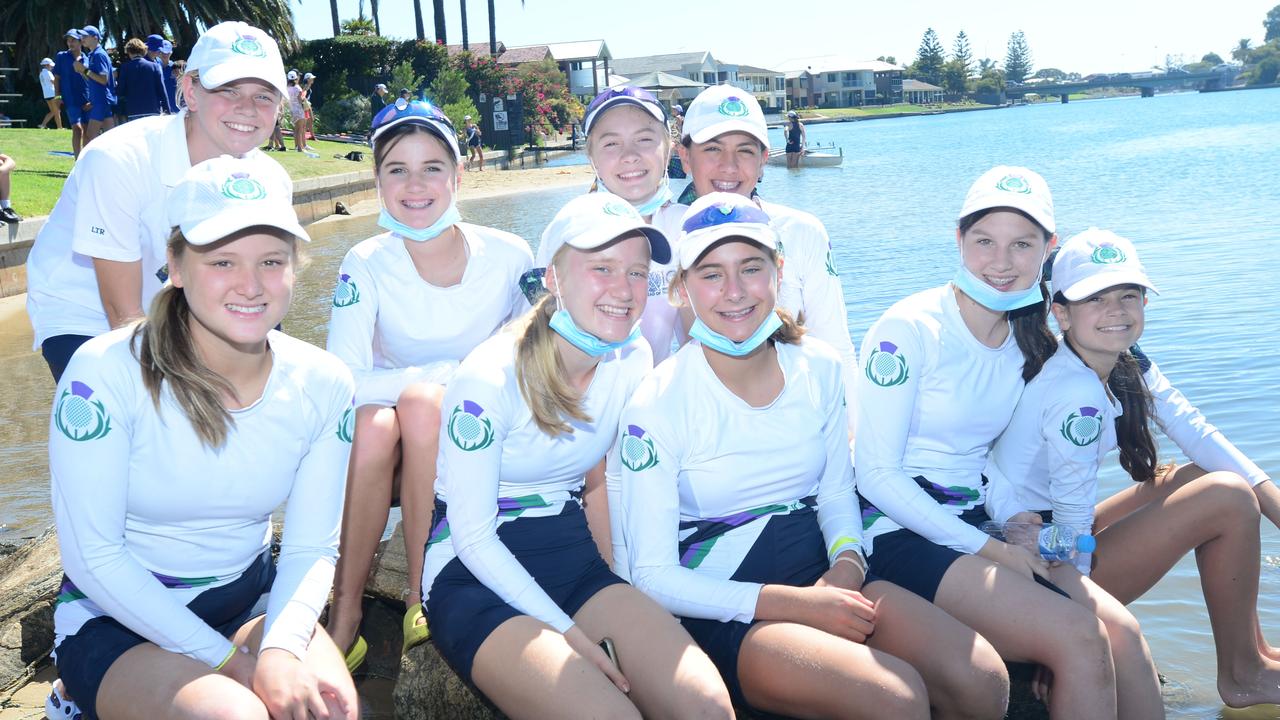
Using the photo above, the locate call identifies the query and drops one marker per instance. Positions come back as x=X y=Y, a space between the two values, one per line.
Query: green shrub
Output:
x=348 y=114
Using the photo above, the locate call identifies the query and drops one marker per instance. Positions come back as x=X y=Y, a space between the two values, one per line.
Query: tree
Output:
x=1050 y=74
x=377 y=26
x=417 y=19
x=333 y=13
x=359 y=26
x=888 y=59
x=1266 y=72
x=929 y=59
x=1212 y=58
x=450 y=86
x=986 y=65
x=1017 y=61
x=437 y=7
x=466 y=44
x=1240 y=52
x=1272 y=24
x=962 y=54
x=955 y=77
x=403 y=76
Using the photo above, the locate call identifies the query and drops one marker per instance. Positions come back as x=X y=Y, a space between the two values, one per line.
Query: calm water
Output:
x=1190 y=178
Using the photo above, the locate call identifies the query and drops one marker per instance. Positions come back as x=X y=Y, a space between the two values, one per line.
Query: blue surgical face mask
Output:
x=721 y=344
x=655 y=203
x=993 y=299
x=450 y=217
x=562 y=322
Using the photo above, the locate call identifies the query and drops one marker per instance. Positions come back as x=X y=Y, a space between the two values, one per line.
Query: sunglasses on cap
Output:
x=408 y=111
x=629 y=92
x=724 y=214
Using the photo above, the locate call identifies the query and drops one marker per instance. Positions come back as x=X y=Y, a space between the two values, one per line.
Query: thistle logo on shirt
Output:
x=637 y=451
x=733 y=107
x=248 y=45
x=1014 y=184
x=346 y=293
x=1083 y=427
x=468 y=429
x=79 y=416
x=242 y=187
x=886 y=366
x=347 y=425
x=831 y=263
x=1107 y=255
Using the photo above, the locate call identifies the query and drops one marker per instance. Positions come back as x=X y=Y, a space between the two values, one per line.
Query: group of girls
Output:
x=564 y=500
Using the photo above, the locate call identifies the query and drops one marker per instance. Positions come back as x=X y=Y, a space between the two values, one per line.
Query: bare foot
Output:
x=1256 y=687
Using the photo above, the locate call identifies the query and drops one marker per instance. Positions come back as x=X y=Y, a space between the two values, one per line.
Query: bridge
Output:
x=1147 y=85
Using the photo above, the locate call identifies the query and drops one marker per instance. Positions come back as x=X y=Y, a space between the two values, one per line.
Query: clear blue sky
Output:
x=1083 y=36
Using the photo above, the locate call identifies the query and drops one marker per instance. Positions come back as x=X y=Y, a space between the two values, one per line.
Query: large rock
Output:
x=428 y=689
x=29 y=579
x=389 y=575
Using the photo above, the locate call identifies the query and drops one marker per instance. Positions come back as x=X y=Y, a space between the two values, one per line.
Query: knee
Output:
x=241 y=704
x=376 y=435
x=706 y=699
x=419 y=407
x=1124 y=633
x=1085 y=643
x=903 y=694
x=980 y=689
x=1230 y=495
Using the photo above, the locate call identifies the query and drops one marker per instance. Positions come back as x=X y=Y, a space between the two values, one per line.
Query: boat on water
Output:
x=813 y=156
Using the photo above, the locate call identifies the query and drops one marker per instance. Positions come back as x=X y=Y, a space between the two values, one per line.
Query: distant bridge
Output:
x=1147 y=85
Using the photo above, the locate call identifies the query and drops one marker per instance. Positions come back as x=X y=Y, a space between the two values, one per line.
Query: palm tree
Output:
x=333 y=13
x=438 y=7
x=465 y=45
x=377 y=26
x=493 y=30
x=1241 y=51
x=417 y=19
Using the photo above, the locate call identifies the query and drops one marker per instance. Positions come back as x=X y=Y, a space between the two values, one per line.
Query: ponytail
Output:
x=541 y=373
x=1031 y=332
x=1133 y=431
x=790 y=332
x=163 y=346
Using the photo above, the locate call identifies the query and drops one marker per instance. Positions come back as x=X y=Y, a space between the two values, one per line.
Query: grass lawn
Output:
x=38 y=179
x=875 y=110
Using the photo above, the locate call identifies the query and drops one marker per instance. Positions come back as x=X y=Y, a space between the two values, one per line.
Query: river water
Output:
x=1189 y=178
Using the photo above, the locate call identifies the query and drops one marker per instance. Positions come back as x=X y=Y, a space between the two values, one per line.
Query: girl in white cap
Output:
x=628 y=144
x=519 y=598
x=725 y=148
x=48 y=87
x=100 y=258
x=1098 y=393
x=170 y=445
x=409 y=304
x=942 y=372
x=738 y=505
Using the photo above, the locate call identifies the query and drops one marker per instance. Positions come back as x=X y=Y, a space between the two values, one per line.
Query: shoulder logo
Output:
x=1083 y=427
x=248 y=45
x=831 y=263
x=886 y=366
x=346 y=293
x=242 y=187
x=468 y=428
x=1014 y=184
x=733 y=106
x=79 y=416
x=637 y=451
x=1107 y=255
x=347 y=425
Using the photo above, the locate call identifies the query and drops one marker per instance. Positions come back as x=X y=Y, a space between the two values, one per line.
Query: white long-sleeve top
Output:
x=392 y=328
x=495 y=465
x=136 y=495
x=931 y=400
x=695 y=454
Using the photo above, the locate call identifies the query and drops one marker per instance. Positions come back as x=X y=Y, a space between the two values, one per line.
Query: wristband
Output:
x=855 y=559
x=227 y=659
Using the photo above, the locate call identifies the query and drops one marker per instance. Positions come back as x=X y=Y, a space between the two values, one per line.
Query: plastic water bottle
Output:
x=1053 y=542
x=310 y=154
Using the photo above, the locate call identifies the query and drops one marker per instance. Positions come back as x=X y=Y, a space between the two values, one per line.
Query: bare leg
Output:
x=670 y=676
x=1268 y=500
x=964 y=674
x=1217 y=515
x=1030 y=623
x=153 y=683
x=77 y=137
x=1137 y=683
x=418 y=411
x=529 y=671
x=323 y=658
x=375 y=452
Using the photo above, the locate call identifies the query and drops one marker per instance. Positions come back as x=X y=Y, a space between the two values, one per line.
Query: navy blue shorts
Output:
x=557 y=550
x=75 y=113
x=790 y=551
x=84 y=658
x=58 y=350
x=99 y=112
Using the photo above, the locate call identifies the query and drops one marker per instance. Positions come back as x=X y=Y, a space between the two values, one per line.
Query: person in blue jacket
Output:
x=70 y=85
x=141 y=85
x=99 y=78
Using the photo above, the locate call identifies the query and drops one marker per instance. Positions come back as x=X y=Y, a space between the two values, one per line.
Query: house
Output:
x=768 y=87
x=699 y=66
x=506 y=55
x=835 y=81
x=585 y=63
x=918 y=92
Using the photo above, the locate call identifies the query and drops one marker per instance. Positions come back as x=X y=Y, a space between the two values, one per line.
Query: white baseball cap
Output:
x=231 y=51
x=45 y=61
x=225 y=195
x=722 y=109
x=1011 y=187
x=291 y=75
x=596 y=219
x=1095 y=260
x=719 y=215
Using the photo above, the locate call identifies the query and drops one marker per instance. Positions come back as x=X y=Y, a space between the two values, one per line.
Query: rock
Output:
x=428 y=689
x=29 y=579
x=388 y=576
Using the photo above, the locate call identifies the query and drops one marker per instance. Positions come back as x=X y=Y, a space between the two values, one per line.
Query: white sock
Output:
x=4 y=203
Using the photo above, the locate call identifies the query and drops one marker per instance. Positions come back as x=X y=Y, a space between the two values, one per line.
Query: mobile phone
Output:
x=607 y=646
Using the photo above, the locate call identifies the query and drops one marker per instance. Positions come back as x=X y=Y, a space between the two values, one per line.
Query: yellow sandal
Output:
x=415 y=633
x=356 y=653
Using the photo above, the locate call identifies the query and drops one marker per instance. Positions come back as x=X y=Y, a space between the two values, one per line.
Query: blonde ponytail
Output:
x=541 y=373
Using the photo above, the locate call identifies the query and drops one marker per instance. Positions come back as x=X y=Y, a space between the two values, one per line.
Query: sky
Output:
x=1084 y=36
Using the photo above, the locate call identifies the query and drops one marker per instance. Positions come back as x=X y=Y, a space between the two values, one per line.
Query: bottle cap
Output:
x=1086 y=544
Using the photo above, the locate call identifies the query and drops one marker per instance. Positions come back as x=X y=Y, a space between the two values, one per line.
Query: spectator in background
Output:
x=141 y=86
x=99 y=78
x=70 y=85
x=154 y=44
x=172 y=71
x=474 y=152
x=404 y=93
x=7 y=213
x=309 y=130
x=49 y=88
x=378 y=100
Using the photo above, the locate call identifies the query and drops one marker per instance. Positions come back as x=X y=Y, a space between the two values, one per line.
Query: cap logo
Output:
x=346 y=293
x=1014 y=184
x=1083 y=427
x=886 y=366
x=79 y=416
x=638 y=453
x=242 y=187
x=1107 y=255
x=468 y=429
x=733 y=106
x=620 y=209
x=248 y=45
